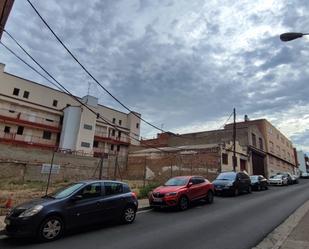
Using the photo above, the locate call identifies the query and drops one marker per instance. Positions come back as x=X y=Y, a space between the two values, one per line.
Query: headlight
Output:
x=31 y=211
x=171 y=194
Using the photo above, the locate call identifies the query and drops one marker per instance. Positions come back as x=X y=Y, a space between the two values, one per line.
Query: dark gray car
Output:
x=78 y=204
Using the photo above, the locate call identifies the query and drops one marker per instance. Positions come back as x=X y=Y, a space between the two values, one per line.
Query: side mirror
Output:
x=190 y=184
x=77 y=197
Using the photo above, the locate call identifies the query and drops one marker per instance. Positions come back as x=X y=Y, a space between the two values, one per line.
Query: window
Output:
x=271 y=146
x=46 y=134
x=49 y=120
x=26 y=94
x=95 y=144
x=225 y=158
x=11 y=111
x=55 y=103
x=118 y=147
x=113 y=188
x=137 y=125
x=91 y=191
x=278 y=150
x=7 y=129
x=113 y=132
x=114 y=120
x=20 y=130
x=119 y=133
x=112 y=147
x=120 y=122
x=253 y=139
x=16 y=91
x=87 y=127
x=85 y=144
x=261 y=143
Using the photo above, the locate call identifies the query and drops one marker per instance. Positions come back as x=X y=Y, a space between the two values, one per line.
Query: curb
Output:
x=278 y=236
x=144 y=208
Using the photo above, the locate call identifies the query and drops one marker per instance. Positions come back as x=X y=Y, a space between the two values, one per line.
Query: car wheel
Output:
x=259 y=188
x=236 y=192
x=249 y=190
x=266 y=187
x=128 y=215
x=210 y=197
x=183 y=203
x=51 y=229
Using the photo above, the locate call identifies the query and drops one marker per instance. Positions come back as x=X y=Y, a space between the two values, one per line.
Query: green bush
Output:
x=143 y=191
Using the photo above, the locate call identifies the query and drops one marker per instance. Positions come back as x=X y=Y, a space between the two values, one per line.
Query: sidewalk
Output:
x=143 y=204
x=299 y=237
x=291 y=234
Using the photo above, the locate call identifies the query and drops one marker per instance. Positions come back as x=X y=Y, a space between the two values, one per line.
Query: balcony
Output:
x=27 y=140
x=105 y=137
x=29 y=120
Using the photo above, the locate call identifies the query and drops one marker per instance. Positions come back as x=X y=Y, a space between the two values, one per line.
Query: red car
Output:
x=180 y=191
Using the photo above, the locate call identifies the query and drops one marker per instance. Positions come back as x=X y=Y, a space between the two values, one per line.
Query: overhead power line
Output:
x=61 y=87
x=88 y=72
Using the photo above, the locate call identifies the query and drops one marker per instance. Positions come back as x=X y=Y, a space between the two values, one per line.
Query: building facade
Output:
x=32 y=114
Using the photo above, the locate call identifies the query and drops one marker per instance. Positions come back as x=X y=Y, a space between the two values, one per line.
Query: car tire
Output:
x=259 y=188
x=236 y=192
x=266 y=188
x=128 y=215
x=51 y=228
x=249 y=190
x=183 y=203
x=210 y=197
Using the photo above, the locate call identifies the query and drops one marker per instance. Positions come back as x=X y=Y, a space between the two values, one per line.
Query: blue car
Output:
x=78 y=204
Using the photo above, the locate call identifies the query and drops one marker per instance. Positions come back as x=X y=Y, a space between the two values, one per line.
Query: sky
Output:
x=182 y=64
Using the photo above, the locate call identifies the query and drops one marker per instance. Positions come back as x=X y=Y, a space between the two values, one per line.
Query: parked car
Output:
x=76 y=205
x=288 y=177
x=278 y=180
x=232 y=183
x=180 y=191
x=294 y=179
x=304 y=175
x=258 y=182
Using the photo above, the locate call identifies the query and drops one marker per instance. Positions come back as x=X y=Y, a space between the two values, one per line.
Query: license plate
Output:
x=7 y=221
x=157 y=199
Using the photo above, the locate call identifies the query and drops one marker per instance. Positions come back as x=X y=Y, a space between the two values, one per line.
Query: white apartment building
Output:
x=36 y=115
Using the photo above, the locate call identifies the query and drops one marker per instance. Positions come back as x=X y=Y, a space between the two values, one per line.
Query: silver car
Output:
x=278 y=180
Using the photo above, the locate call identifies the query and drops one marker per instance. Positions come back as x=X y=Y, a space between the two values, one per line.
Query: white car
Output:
x=304 y=175
x=278 y=180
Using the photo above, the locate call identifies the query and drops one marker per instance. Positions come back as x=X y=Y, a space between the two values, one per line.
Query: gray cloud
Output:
x=176 y=62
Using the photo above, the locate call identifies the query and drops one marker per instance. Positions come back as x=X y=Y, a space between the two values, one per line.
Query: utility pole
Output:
x=101 y=166
x=234 y=141
x=50 y=171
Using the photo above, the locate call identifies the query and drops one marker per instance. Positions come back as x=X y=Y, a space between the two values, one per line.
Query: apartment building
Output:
x=279 y=151
x=36 y=115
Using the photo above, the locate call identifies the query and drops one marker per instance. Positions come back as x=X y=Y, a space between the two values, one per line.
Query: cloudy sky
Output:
x=182 y=64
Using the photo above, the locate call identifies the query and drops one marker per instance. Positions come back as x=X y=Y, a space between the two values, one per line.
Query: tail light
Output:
x=134 y=195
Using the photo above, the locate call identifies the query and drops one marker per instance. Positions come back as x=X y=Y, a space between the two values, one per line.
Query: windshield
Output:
x=228 y=176
x=179 y=181
x=276 y=177
x=254 y=178
x=66 y=191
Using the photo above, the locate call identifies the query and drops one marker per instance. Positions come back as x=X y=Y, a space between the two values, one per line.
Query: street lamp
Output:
x=291 y=36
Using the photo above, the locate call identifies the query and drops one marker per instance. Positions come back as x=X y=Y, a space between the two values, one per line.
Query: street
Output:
x=230 y=222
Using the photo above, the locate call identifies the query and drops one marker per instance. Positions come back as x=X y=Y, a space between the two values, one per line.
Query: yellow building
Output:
x=32 y=114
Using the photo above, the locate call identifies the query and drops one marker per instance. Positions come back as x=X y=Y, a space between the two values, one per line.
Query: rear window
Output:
x=113 y=188
x=230 y=176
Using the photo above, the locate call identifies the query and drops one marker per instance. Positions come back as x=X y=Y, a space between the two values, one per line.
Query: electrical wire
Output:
x=62 y=87
x=88 y=72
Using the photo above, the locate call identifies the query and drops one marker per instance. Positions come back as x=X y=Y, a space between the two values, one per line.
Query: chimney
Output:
x=2 y=66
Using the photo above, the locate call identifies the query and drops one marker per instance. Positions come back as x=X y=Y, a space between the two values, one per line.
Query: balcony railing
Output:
x=31 y=118
x=104 y=135
x=27 y=139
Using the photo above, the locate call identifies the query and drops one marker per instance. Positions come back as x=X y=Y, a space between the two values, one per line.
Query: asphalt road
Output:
x=230 y=222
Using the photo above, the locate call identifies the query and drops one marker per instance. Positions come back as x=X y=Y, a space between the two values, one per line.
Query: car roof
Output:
x=94 y=181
